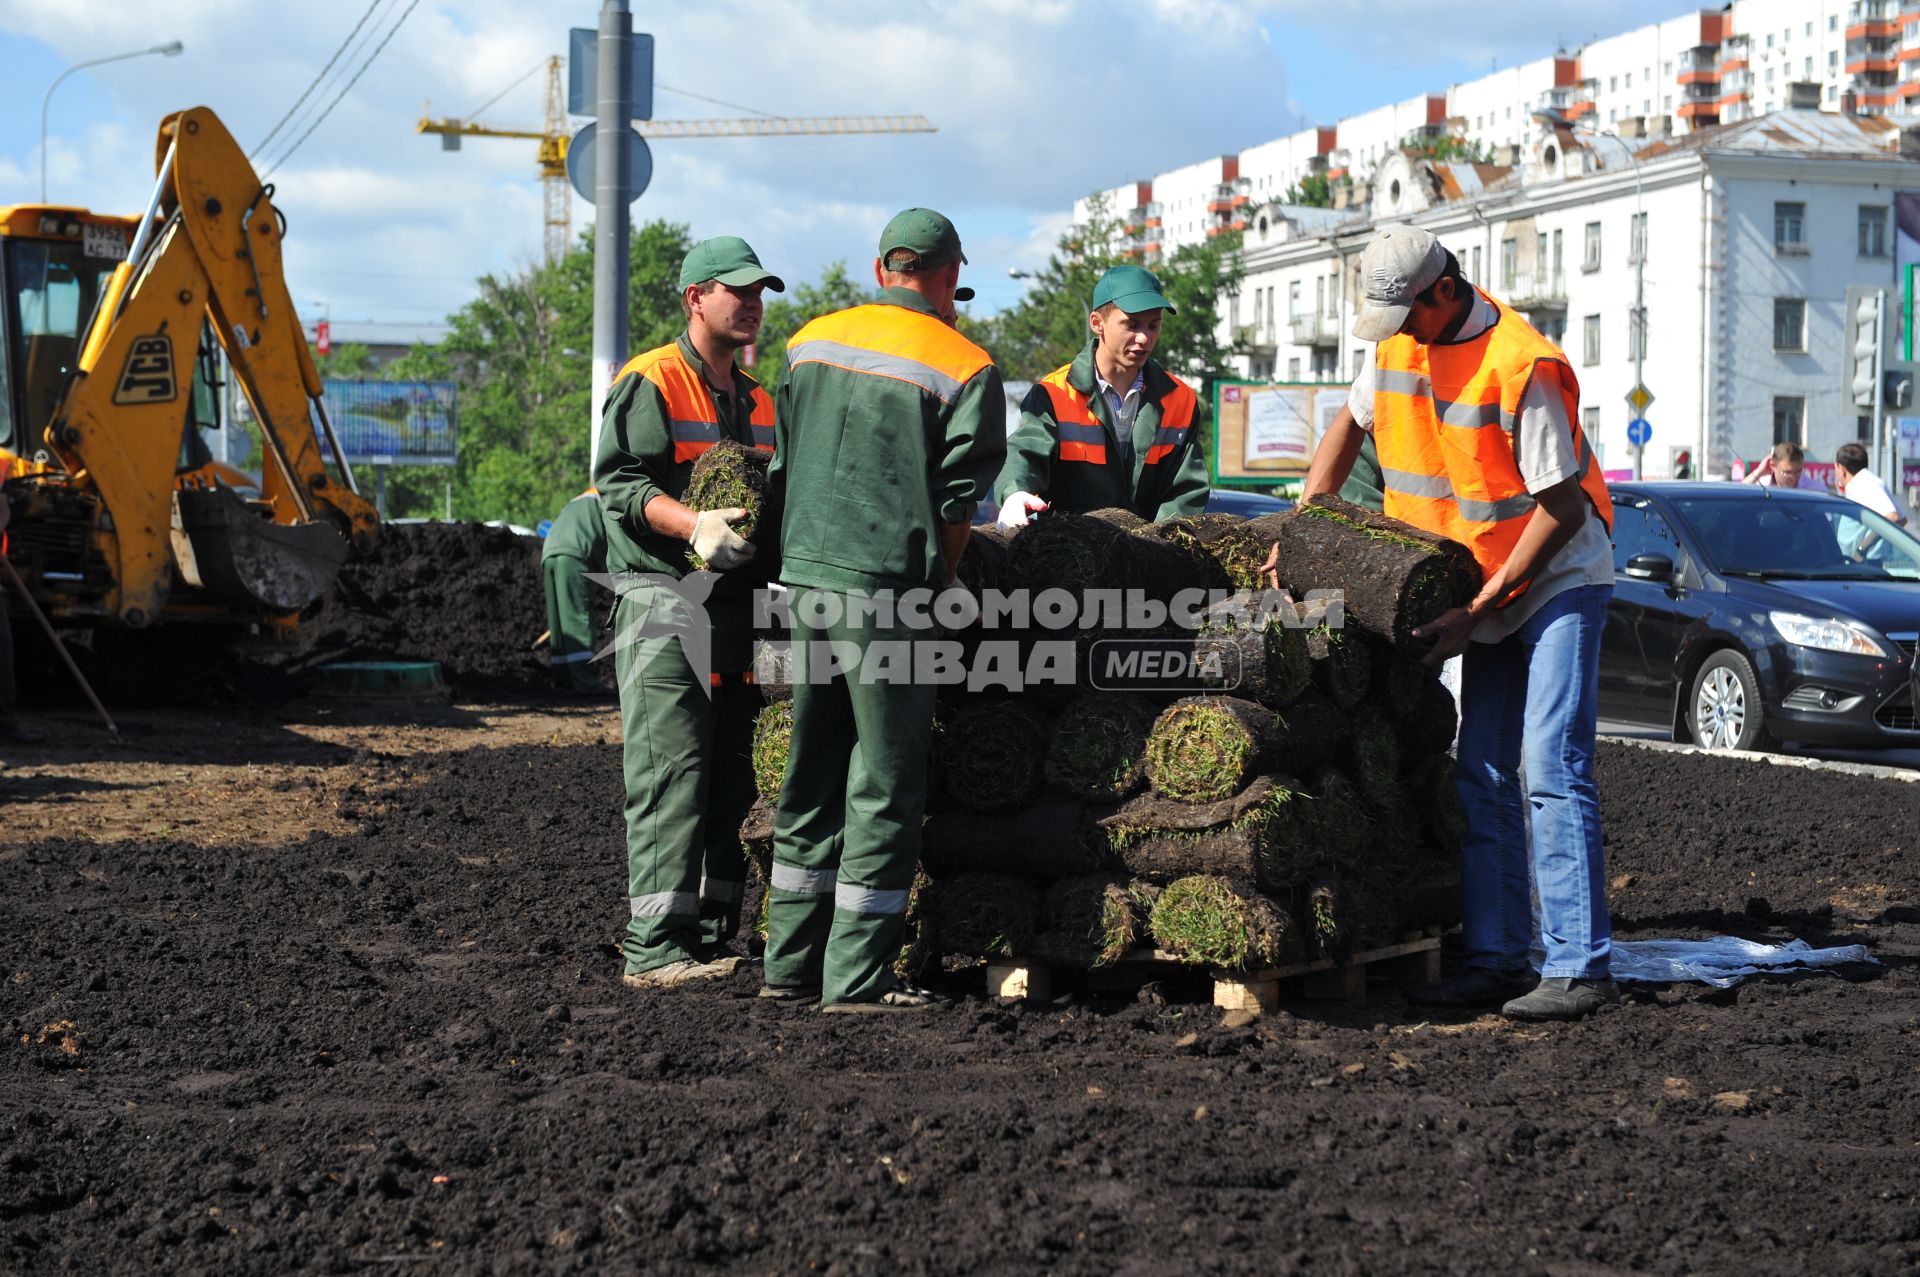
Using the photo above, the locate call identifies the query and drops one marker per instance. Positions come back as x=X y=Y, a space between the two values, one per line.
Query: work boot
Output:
x=1563 y=998
x=685 y=971
x=1473 y=988
x=901 y=997
x=12 y=729
x=788 y=993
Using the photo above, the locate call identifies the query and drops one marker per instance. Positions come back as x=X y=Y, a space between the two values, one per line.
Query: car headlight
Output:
x=1828 y=634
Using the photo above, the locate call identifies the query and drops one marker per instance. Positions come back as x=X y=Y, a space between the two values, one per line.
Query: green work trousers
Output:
x=569 y=623
x=689 y=773
x=846 y=831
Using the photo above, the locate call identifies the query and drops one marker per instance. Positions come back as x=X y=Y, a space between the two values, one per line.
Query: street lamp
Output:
x=1558 y=120
x=171 y=49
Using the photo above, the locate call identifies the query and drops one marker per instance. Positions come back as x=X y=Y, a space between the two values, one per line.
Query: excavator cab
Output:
x=112 y=331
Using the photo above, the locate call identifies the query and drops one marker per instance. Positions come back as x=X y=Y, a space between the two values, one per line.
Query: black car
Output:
x=1743 y=616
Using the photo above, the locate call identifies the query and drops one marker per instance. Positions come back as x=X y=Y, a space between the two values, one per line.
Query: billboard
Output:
x=1266 y=431
x=392 y=423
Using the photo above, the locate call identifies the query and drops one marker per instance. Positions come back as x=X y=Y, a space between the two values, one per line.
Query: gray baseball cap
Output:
x=1401 y=263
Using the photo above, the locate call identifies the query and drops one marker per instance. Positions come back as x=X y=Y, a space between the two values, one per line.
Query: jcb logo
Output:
x=148 y=376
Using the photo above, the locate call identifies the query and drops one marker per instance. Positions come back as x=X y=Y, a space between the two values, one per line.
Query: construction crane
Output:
x=553 y=139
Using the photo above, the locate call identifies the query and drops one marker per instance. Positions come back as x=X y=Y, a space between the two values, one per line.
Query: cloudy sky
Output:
x=1037 y=101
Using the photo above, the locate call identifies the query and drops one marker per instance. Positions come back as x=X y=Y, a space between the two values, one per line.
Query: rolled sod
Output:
x=1190 y=530
x=981 y=915
x=1258 y=658
x=772 y=734
x=993 y=754
x=1258 y=835
x=1090 y=921
x=1241 y=548
x=1339 y=825
x=1072 y=552
x=917 y=950
x=773 y=671
x=1220 y=923
x=1313 y=732
x=756 y=835
x=1430 y=728
x=1375 y=749
x=731 y=475
x=1343 y=662
x=1045 y=841
x=983 y=564
x=1392 y=576
x=1206 y=748
x=1099 y=749
x=1435 y=792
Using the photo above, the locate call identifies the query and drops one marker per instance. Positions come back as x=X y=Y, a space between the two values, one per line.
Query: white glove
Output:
x=1018 y=508
x=716 y=542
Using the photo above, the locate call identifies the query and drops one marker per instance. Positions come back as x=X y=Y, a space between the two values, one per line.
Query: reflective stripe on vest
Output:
x=1444 y=419
x=693 y=424
x=1083 y=438
x=882 y=340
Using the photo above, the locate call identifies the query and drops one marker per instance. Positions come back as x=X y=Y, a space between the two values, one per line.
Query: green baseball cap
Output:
x=728 y=259
x=925 y=233
x=1131 y=288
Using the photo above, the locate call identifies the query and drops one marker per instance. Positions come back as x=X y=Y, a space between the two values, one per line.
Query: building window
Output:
x=1509 y=263
x=1326 y=365
x=1293 y=369
x=1293 y=300
x=1475 y=274
x=1320 y=295
x=1873 y=230
x=1789 y=227
x=1789 y=419
x=1790 y=325
x=1359 y=358
x=1591 y=351
x=1590 y=426
x=1636 y=333
x=1591 y=262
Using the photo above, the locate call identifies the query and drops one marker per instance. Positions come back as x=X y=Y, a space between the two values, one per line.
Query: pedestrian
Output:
x=1784 y=467
x=891 y=428
x=1113 y=428
x=687 y=732
x=1863 y=487
x=1476 y=417
x=575 y=549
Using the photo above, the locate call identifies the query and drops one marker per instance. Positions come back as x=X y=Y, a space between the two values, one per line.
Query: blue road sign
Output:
x=1639 y=432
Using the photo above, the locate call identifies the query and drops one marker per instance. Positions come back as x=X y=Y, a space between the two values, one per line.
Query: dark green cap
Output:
x=1131 y=288
x=727 y=259
x=924 y=233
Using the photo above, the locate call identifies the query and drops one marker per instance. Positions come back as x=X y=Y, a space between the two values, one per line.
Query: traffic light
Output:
x=1866 y=341
x=1897 y=391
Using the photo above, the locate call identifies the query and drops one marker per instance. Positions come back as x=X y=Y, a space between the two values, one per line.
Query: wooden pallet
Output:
x=1414 y=959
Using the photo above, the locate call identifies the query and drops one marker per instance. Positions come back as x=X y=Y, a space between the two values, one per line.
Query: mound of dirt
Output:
x=463 y=594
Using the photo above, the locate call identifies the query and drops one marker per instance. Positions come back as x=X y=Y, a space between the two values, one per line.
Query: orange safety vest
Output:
x=1083 y=438
x=1443 y=426
x=692 y=422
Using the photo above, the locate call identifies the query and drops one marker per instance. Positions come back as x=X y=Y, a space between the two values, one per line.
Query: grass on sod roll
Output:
x=730 y=476
x=1240 y=548
x=1099 y=749
x=1260 y=658
x=1206 y=748
x=1072 y=552
x=1394 y=577
x=1257 y=835
x=1220 y=923
x=1090 y=921
x=993 y=754
x=1376 y=760
x=916 y=946
x=981 y=915
x=772 y=734
x=1044 y=841
x=1338 y=821
x=1343 y=661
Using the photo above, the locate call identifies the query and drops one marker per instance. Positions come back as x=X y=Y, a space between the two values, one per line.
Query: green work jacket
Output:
x=1168 y=475
x=579 y=531
x=889 y=424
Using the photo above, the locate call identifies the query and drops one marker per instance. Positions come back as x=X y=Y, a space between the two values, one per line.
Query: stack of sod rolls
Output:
x=1301 y=804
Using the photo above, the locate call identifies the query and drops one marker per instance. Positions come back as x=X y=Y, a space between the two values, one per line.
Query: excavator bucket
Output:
x=243 y=558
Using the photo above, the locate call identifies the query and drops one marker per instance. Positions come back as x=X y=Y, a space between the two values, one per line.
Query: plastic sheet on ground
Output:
x=1723 y=960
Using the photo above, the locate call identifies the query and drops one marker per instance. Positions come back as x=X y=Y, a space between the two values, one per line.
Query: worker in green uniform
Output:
x=576 y=546
x=1112 y=429
x=687 y=724
x=891 y=426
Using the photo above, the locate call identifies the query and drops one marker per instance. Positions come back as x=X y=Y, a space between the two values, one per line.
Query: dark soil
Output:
x=405 y=1048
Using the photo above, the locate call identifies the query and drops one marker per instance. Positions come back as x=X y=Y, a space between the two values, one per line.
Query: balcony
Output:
x=1315 y=330
x=1875 y=64
x=1879 y=30
x=1538 y=290
x=1253 y=339
x=1699 y=113
x=1227 y=197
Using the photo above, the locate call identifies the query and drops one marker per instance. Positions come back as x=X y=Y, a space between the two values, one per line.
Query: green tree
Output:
x=1314 y=191
x=835 y=290
x=1445 y=148
x=347 y=359
x=1049 y=326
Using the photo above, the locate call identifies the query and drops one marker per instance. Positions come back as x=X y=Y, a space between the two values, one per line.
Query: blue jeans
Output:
x=1533 y=697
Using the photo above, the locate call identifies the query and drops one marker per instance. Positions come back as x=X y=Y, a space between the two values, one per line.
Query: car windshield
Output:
x=1812 y=539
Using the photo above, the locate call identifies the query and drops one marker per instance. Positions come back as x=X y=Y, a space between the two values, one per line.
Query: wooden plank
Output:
x=1245 y=995
x=1020 y=978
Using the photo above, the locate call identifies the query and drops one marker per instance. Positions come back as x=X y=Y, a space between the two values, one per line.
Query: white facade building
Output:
x=1752 y=234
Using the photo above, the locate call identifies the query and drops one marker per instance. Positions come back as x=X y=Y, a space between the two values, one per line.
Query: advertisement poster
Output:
x=1280 y=429
x=1266 y=432
x=1906 y=257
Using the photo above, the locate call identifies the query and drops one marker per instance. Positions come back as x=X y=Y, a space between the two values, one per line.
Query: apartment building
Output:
x=1745 y=238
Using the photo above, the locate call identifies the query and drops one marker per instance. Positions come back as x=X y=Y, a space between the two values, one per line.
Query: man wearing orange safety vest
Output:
x=1476 y=418
x=1113 y=428
x=688 y=733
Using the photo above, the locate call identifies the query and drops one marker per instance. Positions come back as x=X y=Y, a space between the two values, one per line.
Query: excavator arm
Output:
x=207 y=253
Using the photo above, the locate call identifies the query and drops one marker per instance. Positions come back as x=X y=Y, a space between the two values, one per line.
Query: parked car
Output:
x=1745 y=616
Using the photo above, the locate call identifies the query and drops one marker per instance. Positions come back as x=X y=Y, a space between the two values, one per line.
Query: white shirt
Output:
x=1865 y=488
x=1807 y=481
x=1543 y=445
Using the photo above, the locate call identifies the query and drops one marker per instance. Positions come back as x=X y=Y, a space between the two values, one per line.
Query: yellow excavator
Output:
x=111 y=328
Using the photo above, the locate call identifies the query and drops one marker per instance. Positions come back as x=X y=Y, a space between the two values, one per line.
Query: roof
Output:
x=1461 y=180
x=1317 y=221
x=1827 y=135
